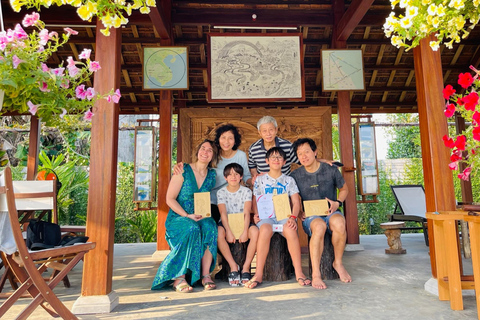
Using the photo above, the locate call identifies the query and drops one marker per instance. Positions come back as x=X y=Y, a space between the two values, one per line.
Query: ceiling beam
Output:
x=351 y=18
x=161 y=19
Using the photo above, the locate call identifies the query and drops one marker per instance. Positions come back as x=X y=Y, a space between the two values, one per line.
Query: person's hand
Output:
x=255 y=177
x=256 y=218
x=230 y=237
x=243 y=237
x=292 y=223
x=178 y=168
x=195 y=217
x=333 y=206
x=302 y=216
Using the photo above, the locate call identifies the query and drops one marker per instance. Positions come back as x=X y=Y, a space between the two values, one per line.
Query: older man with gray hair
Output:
x=267 y=128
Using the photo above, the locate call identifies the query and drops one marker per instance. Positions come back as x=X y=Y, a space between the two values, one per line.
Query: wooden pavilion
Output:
x=397 y=81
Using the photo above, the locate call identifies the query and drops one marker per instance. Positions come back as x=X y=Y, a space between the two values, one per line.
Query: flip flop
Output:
x=208 y=285
x=304 y=280
x=234 y=276
x=182 y=285
x=246 y=276
x=250 y=282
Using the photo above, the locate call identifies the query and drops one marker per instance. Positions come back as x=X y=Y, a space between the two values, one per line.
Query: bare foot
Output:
x=318 y=283
x=304 y=281
x=342 y=272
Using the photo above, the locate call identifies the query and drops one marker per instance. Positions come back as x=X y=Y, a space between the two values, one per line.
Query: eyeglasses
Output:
x=276 y=157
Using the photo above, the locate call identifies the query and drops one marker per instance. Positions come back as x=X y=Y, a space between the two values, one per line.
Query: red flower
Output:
x=465 y=174
x=448 y=91
x=476 y=133
x=449 y=143
x=455 y=157
x=471 y=101
x=476 y=117
x=465 y=80
x=460 y=101
x=460 y=143
x=450 y=110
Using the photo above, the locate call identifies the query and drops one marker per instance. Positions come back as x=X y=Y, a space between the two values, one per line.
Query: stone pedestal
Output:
x=393 y=233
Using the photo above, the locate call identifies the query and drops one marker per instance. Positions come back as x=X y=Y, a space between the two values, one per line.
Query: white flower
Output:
x=440 y=10
x=457 y=4
x=406 y=22
x=432 y=9
x=411 y=11
x=434 y=45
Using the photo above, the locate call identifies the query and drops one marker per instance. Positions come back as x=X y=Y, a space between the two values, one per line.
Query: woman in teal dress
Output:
x=192 y=240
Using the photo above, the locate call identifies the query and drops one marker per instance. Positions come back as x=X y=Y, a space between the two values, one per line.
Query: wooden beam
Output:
x=161 y=19
x=438 y=179
x=98 y=265
x=351 y=18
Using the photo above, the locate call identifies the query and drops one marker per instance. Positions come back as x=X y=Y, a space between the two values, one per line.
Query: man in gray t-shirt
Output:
x=317 y=181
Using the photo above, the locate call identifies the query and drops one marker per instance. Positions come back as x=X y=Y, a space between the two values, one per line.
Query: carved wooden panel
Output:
x=197 y=124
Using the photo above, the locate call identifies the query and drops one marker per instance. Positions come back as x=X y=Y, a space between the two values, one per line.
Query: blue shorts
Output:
x=306 y=223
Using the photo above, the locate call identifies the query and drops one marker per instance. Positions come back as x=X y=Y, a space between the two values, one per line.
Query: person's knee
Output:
x=221 y=232
x=337 y=224
x=253 y=233
x=318 y=227
x=265 y=230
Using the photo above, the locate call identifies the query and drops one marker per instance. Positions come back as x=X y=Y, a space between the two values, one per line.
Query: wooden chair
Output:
x=29 y=266
x=410 y=206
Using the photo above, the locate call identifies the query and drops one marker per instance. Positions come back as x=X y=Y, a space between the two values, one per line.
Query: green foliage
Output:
x=74 y=181
x=405 y=139
x=131 y=225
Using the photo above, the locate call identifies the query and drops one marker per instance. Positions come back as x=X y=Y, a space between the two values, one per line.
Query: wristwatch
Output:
x=340 y=203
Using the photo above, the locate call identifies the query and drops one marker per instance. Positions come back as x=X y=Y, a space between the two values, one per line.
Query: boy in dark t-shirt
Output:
x=317 y=181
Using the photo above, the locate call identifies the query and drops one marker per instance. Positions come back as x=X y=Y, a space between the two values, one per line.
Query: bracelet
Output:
x=294 y=217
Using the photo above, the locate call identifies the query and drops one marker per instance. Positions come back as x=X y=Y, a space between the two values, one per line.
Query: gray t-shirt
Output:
x=319 y=184
x=234 y=201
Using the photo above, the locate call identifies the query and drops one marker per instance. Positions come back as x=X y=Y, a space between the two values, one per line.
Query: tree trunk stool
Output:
x=239 y=253
x=393 y=233
x=278 y=266
x=326 y=263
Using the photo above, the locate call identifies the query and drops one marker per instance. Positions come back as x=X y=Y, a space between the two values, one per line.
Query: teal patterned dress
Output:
x=187 y=239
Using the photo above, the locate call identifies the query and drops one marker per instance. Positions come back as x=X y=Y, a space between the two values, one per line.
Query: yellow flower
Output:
x=440 y=10
x=117 y=21
x=449 y=44
x=457 y=4
x=128 y=9
x=459 y=22
x=397 y=41
x=137 y=4
x=406 y=22
x=106 y=32
x=434 y=45
x=436 y=22
x=423 y=28
x=432 y=9
x=476 y=3
x=145 y=10
x=16 y=5
x=394 y=3
x=404 y=3
x=151 y=3
x=107 y=21
x=412 y=11
x=425 y=2
x=83 y=13
x=465 y=34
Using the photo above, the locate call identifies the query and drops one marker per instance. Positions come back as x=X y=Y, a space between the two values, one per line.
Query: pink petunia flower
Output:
x=19 y=33
x=31 y=19
x=58 y=72
x=71 y=62
x=53 y=34
x=65 y=84
x=44 y=87
x=88 y=115
x=70 y=31
x=16 y=61
x=80 y=92
x=450 y=110
x=116 y=96
x=453 y=165
x=449 y=142
x=456 y=155
x=90 y=93
x=64 y=112
x=44 y=37
x=448 y=92
x=465 y=80
x=460 y=142
x=465 y=175
x=470 y=101
x=32 y=107
x=85 y=54
x=94 y=66
x=73 y=71
x=45 y=68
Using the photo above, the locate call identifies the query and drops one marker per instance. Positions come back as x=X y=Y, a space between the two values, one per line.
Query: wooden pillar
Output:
x=98 y=265
x=346 y=141
x=439 y=191
x=164 y=166
x=33 y=147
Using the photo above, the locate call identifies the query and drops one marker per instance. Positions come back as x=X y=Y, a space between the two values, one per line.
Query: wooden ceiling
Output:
x=389 y=72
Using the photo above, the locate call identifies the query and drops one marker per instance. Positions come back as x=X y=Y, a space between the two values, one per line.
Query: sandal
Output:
x=252 y=284
x=305 y=282
x=208 y=285
x=232 y=277
x=182 y=286
x=246 y=276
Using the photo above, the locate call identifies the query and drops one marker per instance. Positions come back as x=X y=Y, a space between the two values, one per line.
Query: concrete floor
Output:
x=383 y=287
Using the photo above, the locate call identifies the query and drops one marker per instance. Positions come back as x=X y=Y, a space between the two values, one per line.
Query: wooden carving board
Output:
x=315 y=207
x=202 y=204
x=281 y=203
x=236 y=222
